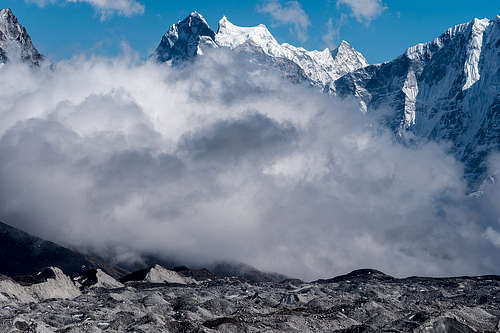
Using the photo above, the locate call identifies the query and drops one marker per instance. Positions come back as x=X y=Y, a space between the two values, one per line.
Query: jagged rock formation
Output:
x=47 y=284
x=444 y=90
x=361 y=301
x=185 y=40
x=188 y=38
x=15 y=43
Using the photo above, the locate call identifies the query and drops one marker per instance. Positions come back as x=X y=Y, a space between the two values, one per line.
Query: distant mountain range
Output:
x=444 y=90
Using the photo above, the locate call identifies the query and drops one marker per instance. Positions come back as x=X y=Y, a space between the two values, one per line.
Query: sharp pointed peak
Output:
x=196 y=15
x=193 y=16
x=6 y=10
x=344 y=44
x=224 y=22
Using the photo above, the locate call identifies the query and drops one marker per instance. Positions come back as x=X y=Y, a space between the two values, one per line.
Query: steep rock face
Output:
x=15 y=43
x=188 y=38
x=444 y=90
x=185 y=40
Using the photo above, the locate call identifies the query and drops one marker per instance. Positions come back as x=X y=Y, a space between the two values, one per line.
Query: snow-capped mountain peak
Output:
x=15 y=43
x=346 y=59
x=232 y=36
x=185 y=40
x=446 y=89
x=188 y=38
x=320 y=67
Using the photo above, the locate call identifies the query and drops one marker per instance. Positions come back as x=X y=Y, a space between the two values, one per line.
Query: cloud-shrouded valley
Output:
x=223 y=160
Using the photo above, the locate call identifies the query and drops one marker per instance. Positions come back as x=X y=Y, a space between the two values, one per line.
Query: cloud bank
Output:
x=225 y=161
x=291 y=14
x=364 y=10
x=105 y=8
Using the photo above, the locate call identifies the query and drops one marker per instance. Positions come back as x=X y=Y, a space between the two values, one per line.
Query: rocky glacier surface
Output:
x=167 y=301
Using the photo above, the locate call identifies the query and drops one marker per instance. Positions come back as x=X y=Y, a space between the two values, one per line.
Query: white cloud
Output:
x=104 y=7
x=493 y=236
x=291 y=13
x=224 y=161
x=364 y=10
x=333 y=32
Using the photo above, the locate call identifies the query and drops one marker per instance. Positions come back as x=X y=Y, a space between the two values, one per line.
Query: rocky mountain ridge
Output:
x=15 y=43
x=191 y=36
x=445 y=90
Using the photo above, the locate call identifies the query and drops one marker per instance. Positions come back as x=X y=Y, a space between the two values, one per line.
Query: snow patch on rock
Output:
x=471 y=66
x=410 y=89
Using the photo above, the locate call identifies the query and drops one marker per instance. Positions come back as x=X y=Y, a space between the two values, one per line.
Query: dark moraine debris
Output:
x=139 y=275
x=197 y=274
x=40 y=277
x=88 y=278
x=359 y=276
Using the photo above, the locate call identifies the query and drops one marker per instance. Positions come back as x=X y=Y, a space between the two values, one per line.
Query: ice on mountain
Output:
x=471 y=66
x=15 y=43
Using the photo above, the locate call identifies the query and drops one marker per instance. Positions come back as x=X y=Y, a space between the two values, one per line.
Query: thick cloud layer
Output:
x=224 y=161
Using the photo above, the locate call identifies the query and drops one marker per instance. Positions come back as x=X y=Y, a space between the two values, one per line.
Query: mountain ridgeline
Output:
x=446 y=90
x=15 y=43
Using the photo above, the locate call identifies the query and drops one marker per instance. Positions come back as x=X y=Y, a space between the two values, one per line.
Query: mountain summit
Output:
x=444 y=90
x=185 y=40
x=15 y=43
x=189 y=37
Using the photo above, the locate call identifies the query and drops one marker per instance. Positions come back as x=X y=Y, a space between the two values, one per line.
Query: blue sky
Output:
x=380 y=29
